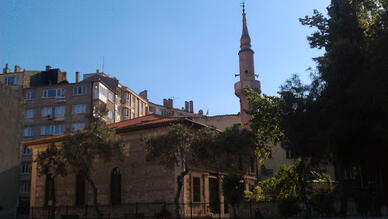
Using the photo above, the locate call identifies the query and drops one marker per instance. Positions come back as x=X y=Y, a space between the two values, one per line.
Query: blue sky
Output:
x=181 y=49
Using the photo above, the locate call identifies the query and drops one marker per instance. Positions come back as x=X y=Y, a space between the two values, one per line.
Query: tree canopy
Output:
x=342 y=115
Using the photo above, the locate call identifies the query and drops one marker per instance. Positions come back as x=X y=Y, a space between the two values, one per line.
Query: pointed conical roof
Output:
x=245 y=41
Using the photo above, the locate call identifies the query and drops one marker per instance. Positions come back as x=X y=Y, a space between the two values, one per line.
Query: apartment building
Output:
x=54 y=106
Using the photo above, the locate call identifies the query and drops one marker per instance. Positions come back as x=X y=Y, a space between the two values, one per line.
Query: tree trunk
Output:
x=95 y=192
x=54 y=204
x=179 y=181
x=302 y=183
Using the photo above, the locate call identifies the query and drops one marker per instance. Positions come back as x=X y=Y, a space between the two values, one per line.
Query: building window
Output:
x=60 y=111
x=13 y=80
x=80 y=108
x=196 y=189
x=26 y=167
x=54 y=93
x=125 y=98
x=48 y=191
x=133 y=102
x=25 y=187
x=79 y=90
x=80 y=190
x=158 y=111
x=141 y=110
x=111 y=97
x=77 y=127
x=214 y=195
x=125 y=113
x=115 y=186
x=102 y=92
x=29 y=114
x=30 y=95
x=110 y=114
x=52 y=130
x=28 y=132
x=26 y=151
x=47 y=111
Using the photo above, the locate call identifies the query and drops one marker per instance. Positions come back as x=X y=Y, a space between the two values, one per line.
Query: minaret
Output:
x=247 y=72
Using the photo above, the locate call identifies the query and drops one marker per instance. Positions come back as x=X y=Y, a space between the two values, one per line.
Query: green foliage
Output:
x=288 y=207
x=265 y=122
x=256 y=195
x=79 y=151
x=350 y=109
x=292 y=182
x=233 y=188
x=50 y=162
x=97 y=141
x=284 y=184
x=205 y=147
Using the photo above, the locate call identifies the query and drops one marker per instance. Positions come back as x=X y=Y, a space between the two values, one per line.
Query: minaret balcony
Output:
x=240 y=86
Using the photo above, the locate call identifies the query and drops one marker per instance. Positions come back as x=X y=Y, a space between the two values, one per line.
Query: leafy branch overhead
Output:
x=265 y=122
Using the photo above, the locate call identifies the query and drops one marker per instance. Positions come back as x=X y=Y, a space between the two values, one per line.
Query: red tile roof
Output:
x=144 y=120
x=127 y=124
x=46 y=139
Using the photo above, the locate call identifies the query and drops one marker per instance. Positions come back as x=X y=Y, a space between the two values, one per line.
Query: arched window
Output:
x=115 y=186
x=80 y=190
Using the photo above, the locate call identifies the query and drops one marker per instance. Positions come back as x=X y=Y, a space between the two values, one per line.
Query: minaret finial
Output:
x=243 y=6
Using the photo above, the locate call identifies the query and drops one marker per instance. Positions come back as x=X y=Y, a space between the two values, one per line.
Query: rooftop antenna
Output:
x=103 y=62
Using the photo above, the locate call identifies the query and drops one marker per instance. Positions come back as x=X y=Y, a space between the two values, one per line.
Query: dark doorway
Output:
x=214 y=195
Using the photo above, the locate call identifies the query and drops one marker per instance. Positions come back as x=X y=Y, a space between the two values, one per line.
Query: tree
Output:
x=51 y=163
x=341 y=115
x=233 y=190
x=293 y=183
x=352 y=72
x=265 y=122
x=206 y=147
x=82 y=149
x=171 y=150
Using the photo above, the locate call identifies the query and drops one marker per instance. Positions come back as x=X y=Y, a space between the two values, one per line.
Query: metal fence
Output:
x=155 y=210
x=159 y=210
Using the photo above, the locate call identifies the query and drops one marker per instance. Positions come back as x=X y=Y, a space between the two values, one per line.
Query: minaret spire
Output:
x=245 y=41
x=247 y=72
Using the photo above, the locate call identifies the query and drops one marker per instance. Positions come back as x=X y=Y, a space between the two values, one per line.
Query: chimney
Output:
x=191 y=106
x=170 y=103
x=77 y=77
x=17 y=68
x=98 y=71
x=48 y=67
x=165 y=102
x=64 y=76
x=186 y=106
x=143 y=94
x=6 y=69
